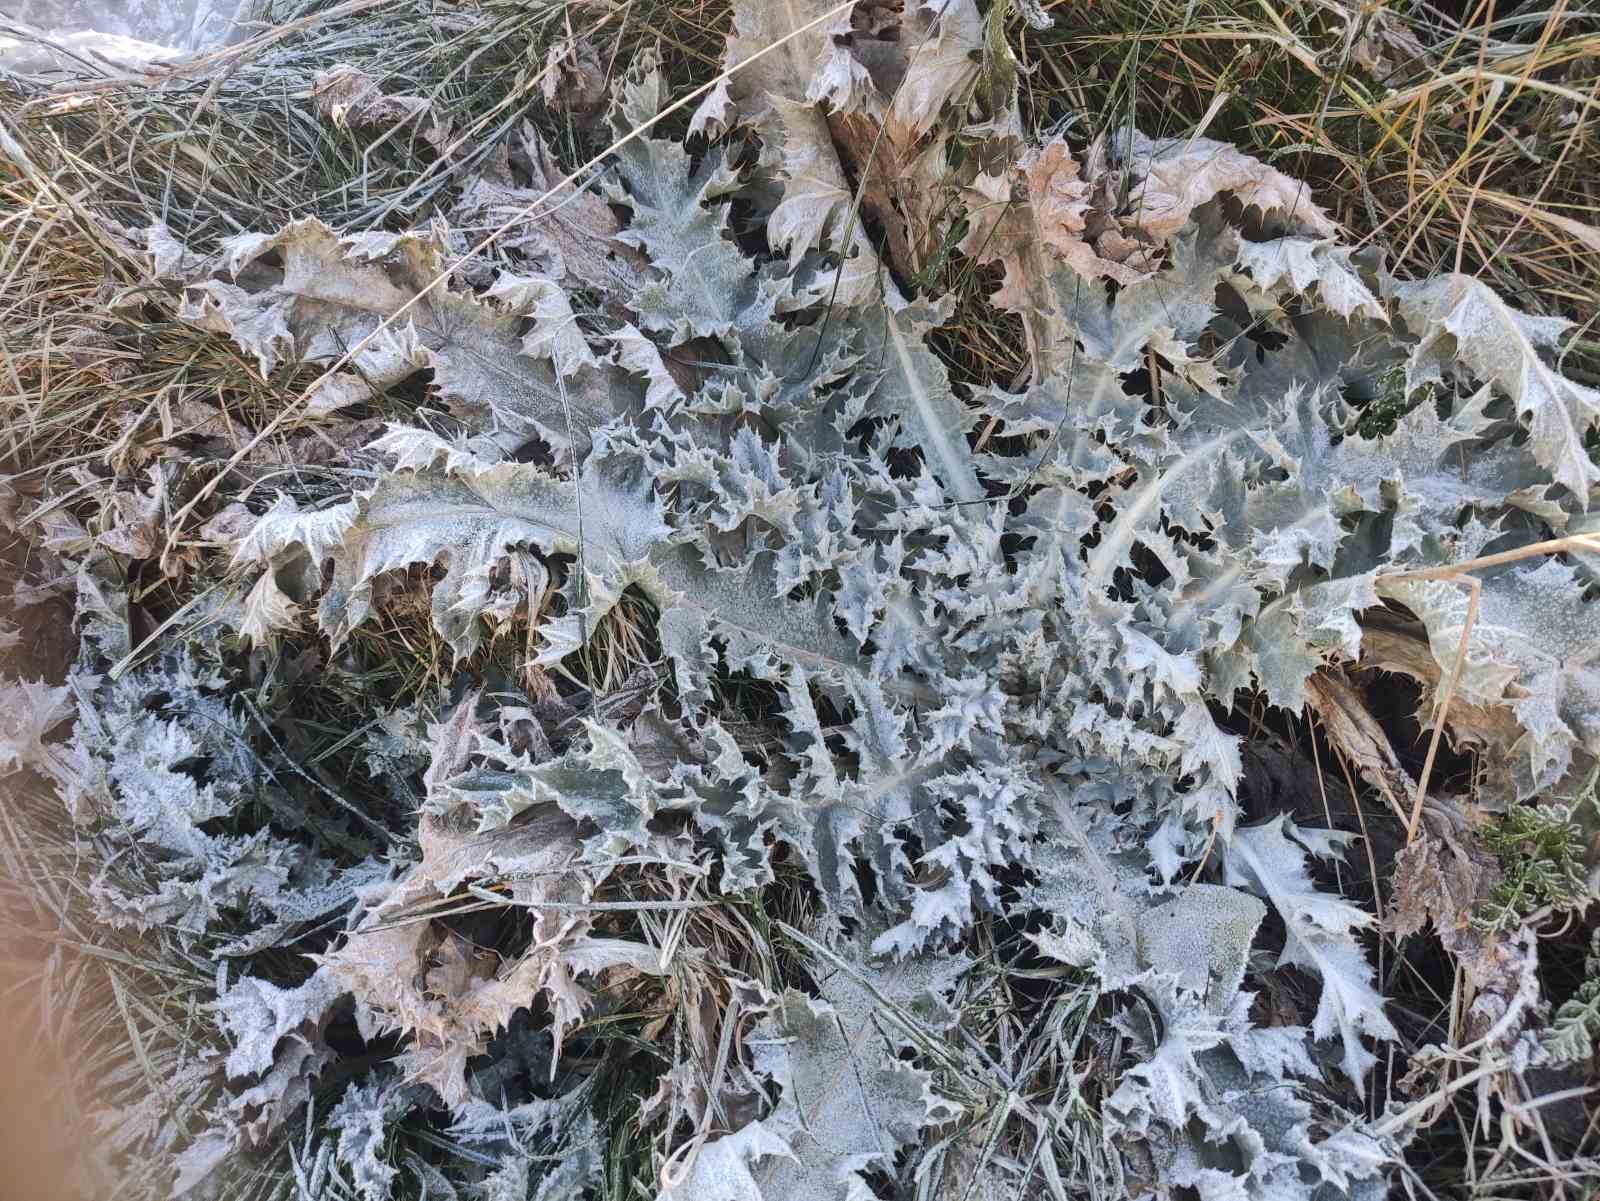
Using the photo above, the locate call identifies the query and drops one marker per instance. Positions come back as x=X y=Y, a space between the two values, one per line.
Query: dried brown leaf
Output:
x=571 y=237
x=1049 y=210
x=1181 y=174
x=1072 y=211
x=1440 y=877
x=352 y=99
x=904 y=184
x=1355 y=733
x=411 y=974
x=1491 y=730
x=575 y=78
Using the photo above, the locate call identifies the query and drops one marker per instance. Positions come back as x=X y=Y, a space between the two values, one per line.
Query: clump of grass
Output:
x=225 y=143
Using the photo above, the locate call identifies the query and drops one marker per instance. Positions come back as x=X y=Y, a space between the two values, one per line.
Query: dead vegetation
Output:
x=1446 y=140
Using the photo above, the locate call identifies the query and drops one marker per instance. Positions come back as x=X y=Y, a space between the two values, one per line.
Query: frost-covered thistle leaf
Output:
x=472 y=514
x=709 y=288
x=160 y=802
x=1221 y=1108
x=1181 y=174
x=778 y=94
x=776 y=50
x=1183 y=954
x=471 y=518
x=362 y=1118
x=743 y=609
x=818 y=209
x=846 y=1104
x=944 y=48
x=543 y=1150
x=685 y=239
x=161 y=762
x=914 y=390
x=1307 y=262
x=331 y=294
x=29 y=711
x=558 y=229
x=1179 y=301
x=267 y=608
x=1533 y=648
x=636 y=353
x=556 y=334
x=1109 y=918
x=706 y=287
x=817 y=206
x=257 y=1014
x=527 y=1173
x=277 y=1036
x=725 y=1169
x=1459 y=318
x=828 y=813
x=1270 y=860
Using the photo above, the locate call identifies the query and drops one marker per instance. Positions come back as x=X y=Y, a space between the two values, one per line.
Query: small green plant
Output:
x=1381 y=414
x=1541 y=850
x=1570 y=1038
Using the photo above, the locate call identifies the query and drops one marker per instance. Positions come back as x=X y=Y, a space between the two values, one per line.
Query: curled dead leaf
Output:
x=1490 y=730
x=412 y=974
x=575 y=78
x=352 y=99
x=1180 y=174
x=1355 y=733
x=1049 y=210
